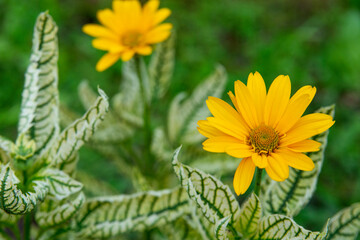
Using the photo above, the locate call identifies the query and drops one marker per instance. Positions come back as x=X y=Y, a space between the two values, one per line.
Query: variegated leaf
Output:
x=214 y=198
x=60 y=184
x=205 y=228
x=50 y=215
x=180 y=230
x=94 y=186
x=109 y=216
x=290 y=196
x=161 y=66
x=282 y=227
x=183 y=116
x=215 y=163
x=5 y=149
x=160 y=145
x=63 y=153
x=345 y=225
x=221 y=231
x=39 y=108
x=250 y=215
x=12 y=199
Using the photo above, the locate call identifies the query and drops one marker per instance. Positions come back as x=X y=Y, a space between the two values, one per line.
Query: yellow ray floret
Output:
x=265 y=129
x=128 y=29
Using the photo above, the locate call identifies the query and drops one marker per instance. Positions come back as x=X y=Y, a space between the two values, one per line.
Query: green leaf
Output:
x=161 y=66
x=214 y=198
x=109 y=216
x=221 y=231
x=12 y=199
x=250 y=216
x=5 y=149
x=282 y=227
x=64 y=152
x=39 y=108
x=7 y=218
x=160 y=145
x=54 y=215
x=345 y=225
x=183 y=116
x=205 y=228
x=290 y=196
x=60 y=184
x=215 y=163
x=180 y=230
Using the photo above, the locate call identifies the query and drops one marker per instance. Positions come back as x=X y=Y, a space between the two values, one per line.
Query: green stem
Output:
x=146 y=114
x=258 y=181
x=27 y=226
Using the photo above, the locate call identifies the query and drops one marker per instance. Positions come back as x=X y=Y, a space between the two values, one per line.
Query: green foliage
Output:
x=104 y=217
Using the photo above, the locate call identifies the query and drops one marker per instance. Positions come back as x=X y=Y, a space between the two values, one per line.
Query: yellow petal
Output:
x=259 y=160
x=246 y=104
x=143 y=50
x=208 y=130
x=234 y=101
x=127 y=55
x=293 y=113
x=222 y=110
x=277 y=100
x=257 y=89
x=219 y=143
x=107 y=44
x=306 y=127
x=309 y=90
x=243 y=176
x=96 y=30
x=108 y=19
x=159 y=34
x=239 y=150
x=279 y=169
x=151 y=6
x=106 y=61
x=297 y=160
x=226 y=128
x=161 y=15
x=305 y=146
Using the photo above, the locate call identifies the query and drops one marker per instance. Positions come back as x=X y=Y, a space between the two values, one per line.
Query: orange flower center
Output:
x=131 y=39
x=264 y=139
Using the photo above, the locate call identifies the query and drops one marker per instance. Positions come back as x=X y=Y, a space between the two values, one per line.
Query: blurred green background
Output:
x=315 y=42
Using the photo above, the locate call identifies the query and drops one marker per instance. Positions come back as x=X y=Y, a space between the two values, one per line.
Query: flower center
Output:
x=131 y=39
x=264 y=139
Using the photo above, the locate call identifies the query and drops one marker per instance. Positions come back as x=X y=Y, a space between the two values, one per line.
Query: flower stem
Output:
x=258 y=181
x=27 y=226
x=146 y=114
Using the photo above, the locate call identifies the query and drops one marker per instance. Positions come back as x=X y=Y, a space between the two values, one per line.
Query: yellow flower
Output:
x=128 y=29
x=266 y=129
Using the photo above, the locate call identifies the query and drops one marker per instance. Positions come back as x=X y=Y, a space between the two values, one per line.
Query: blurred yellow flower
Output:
x=266 y=129
x=128 y=29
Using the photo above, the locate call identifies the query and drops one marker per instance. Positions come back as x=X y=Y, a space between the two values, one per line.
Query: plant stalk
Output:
x=27 y=226
x=258 y=181
x=146 y=114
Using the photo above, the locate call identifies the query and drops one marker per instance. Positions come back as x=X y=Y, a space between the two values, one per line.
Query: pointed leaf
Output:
x=345 y=225
x=60 y=184
x=282 y=227
x=60 y=213
x=40 y=100
x=161 y=66
x=221 y=231
x=250 y=216
x=12 y=199
x=183 y=117
x=63 y=153
x=109 y=216
x=214 y=198
x=205 y=228
x=290 y=196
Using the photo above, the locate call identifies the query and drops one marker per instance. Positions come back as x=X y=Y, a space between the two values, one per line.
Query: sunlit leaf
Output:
x=109 y=216
x=214 y=198
x=185 y=112
x=40 y=100
x=345 y=225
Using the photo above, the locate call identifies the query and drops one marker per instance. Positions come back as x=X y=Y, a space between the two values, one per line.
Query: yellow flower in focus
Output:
x=266 y=129
x=128 y=29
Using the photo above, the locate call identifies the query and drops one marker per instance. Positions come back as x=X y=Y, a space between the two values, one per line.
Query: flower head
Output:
x=266 y=129
x=128 y=29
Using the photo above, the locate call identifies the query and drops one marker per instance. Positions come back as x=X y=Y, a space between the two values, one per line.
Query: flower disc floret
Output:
x=264 y=139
